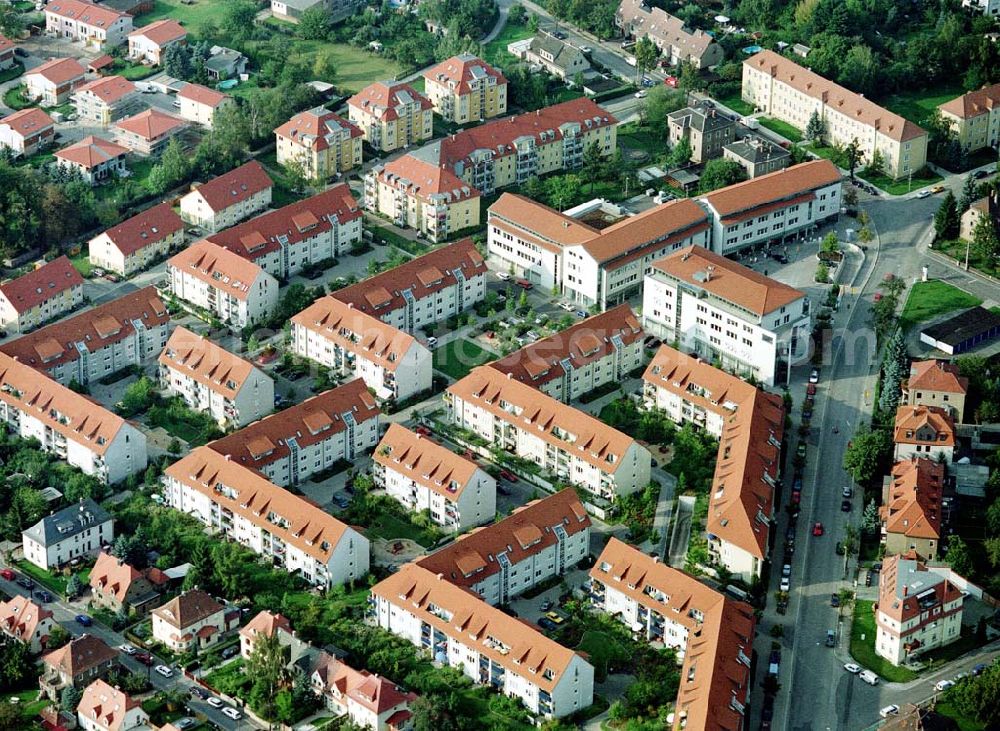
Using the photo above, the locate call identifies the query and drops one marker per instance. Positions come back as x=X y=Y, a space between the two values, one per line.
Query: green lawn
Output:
x=12 y=73
x=356 y=68
x=863 y=650
x=458 y=357
x=736 y=103
x=229 y=679
x=193 y=16
x=903 y=186
x=27 y=702
x=640 y=137
x=930 y=299
x=782 y=128
x=602 y=648
x=964 y=724
x=390 y=528
x=14 y=98
x=82 y=263
x=917 y=106
x=495 y=52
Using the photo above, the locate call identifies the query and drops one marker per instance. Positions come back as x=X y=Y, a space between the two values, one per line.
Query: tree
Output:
x=869 y=519
x=660 y=101
x=11 y=22
x=646 y=53
x=815 y=128
x=296 y=175
x=978 y=696
x=177 y=61
x=946 y=220
x=876 y=166
x=69 y=699
x=73 y=586
x=27 y=507
x=57 y=638
x=958 y=556
x=16 y=663
x=719 y=173
x=593 y=162
x=314 y=23
x=985 y=241
x=436 y=713
x=681 y=154
x=822 y=273
x=868 y=453
x=968 y=195
x=11 y=718
x=517 y=14
x=266 y=665
x=853 y=155
x=324 y=68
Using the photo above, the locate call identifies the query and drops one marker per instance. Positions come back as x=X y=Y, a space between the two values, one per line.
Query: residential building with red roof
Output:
x=937 y=383
x=229 y=198
x=94 y=159
x=118 y=586
x=26 y=132
x=105 y=100
x=149 y=43
x=282 y=527
x=7 y=56
x=750 y=426
x=422 y=475
x=137 y=243
x=565 y=442
x=710 y=632
x=466 y=89
x=26 y=622
x=53 y=82
x=911 y=511
x=376 y=703
x=677 y=42
x=975 y=117
x=589 y=264
x=489 y=646
x=294 y=443
x=43 y=294
x=292 y=238
x=324 y=143
x=782 y=89
x=96 y=26
x=199 y=104
x=78 y=663
x=233 y=288
x=540 y=540
x=919 y=608
x=924 y=431
x=73 y=427
x=107 y=708
x=599 y=350
x=97 y=342
x=437 y=187
x=193 y=620
x=422 y=291
x=725 y=312
x=987 y=206
x=209 y=378
x=773 y=207
x=148 y=133
x=391 y=115
x=353 y=343
x=292 y=10
x=265 y=624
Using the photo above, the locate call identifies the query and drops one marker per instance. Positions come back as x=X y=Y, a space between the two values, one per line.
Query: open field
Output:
x=356 y=68
x=194 y=16
x=930 y=299
x=782 y=128
x=917 y=106
x=458 y=357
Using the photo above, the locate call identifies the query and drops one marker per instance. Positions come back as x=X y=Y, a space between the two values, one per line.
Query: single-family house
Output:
x=193 y=619
x=94 y=159
x=148 y=44
x=76 y=664
x=148 y=132
x=26 y=622
x=199 y=104
x=26 y=132
x=53 y=81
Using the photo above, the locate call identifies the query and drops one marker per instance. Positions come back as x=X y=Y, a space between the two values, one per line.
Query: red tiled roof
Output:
x=113 y=575
x=905 y=577
x=775 y=189
x=458 y=72
x=6 y=44
x=28 y=122
x=425 y=462
x=936 y=375
x=267 y=624
x=913 y=505
x=203 y=95
x=205 y=259
x=188 y=608
x=471 y=558
x=106 y=707
x=108 y=89
x=20 y=617
x=258 y=237
x=912 y=419
x=973 y=103
x=59 y=70
x=312 y=128
x=383 y=99
x=97 y=328
x=100 y=62
x=85 y=12
x=236 y=186
x=91 y=151
x=423 y=179
x=161 y=32
x=423 y=276
x=584 y=342
x=379 y=695
x=145 y=229
x=150 y=124
x=32 y=289
x=310 y=422
x=80 y=655
x=211 y=365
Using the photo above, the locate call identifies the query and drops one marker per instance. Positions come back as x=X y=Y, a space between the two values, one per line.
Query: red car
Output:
x=508 y=475
x=423 y=431
x=811 y=389
x=671 y=81
x=818 y=529
x=796 y=498
x=878 y=296
x=144 y=657
x=7 y=574
x=524 y=284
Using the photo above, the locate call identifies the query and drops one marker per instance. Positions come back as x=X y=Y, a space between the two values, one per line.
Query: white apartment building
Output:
x=235 y=290
x=97 y=342
x=96 y=26
x=199 y=104
x=919 y=609
x=489 y=646
x=227 y=199
x=774 y=207
x=596 y=351
x=77 y=531
x=538 y=541
x=242 y=505
x=211 y=379
x=341 y=424
x=725 y=312
x=986 y=7
x=422 y=475
x=137 y=243
x=589 y=265
x=350 y=342
x=286 y=241
x=750 y=425
x=69 y=425
x=423 y=291
x=106 y=708
x=570 y=444
x=42 y=294
x=924 y=431
x=781 y=88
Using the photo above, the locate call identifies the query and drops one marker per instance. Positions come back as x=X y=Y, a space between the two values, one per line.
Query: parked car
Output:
x=200 y=692
x=555 y=617
x=423 y=431
x=814 y=375
x=546 y=624
x=817 y=529
x=581 y=313
x=43 y=596
x=568 y=306
x=508 y=475
x=546 y=605
x=979 y=669
x=23 y=582
x=852 y=668
x=231 y=651
x=524 y=284
x=232 y=713
x=845 y=506
x=786 y=583
x=943 y=685
x=834 y=600
x=937 y=189
x=145 y=658
x=831 y=638
x=847 y=491
x=215 y=702
x=7 y=574
x=184 y=723
x=786 y=570
x=84 y=620
x=840 y=548
x=164 y=671
x=890 y=710
x=504 y=276
x=868 y=578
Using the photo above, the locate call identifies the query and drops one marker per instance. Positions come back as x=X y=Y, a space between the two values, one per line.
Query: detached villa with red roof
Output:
x=23 y=620
x=937 y=383
x=53 y=81
x=94 y=159
x=118 y=586
x=148 y=132
x=193 y=619
x=924 y=431
x=199 y=104
x=27 y=131
x=227 y=199
x=106 y=708
x=148 y=44
x=40 y=295
x=138 y=242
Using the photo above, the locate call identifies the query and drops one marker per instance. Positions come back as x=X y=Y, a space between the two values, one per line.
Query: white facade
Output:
x=94 y=25
x=197 y=211
x=73 y=533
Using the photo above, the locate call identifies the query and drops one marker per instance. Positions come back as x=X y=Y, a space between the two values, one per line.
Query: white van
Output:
x=869 y=677
x=738 y=593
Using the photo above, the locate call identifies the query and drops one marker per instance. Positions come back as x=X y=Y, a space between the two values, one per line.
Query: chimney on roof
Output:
x=229 y=457
x=440 y=577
